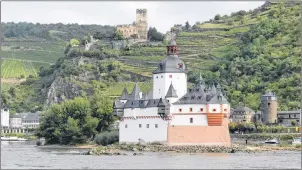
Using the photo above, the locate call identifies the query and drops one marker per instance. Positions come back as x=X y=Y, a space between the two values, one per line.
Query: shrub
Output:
x=106 y=138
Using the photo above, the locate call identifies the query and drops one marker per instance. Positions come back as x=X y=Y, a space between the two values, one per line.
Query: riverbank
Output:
x=120 y=149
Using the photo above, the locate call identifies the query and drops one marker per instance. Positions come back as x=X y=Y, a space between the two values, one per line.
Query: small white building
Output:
x=5 y=117
x=31 y=121
x=169 y=112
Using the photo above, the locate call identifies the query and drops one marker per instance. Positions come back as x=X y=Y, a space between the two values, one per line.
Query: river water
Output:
x=25 y=155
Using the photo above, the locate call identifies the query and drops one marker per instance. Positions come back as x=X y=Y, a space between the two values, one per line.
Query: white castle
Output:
x=170 y=113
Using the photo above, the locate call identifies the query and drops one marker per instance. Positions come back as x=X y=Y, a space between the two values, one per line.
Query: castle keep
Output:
x=138 y=30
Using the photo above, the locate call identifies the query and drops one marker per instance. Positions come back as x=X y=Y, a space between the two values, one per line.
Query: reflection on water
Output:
x=25 y=155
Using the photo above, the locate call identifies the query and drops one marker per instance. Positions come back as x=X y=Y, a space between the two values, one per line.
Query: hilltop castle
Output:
x=171 y=114
x=138 y=30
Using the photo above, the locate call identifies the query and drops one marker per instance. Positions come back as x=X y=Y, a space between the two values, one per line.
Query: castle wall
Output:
x=130 y=130
x=127 y=30
x=184 y=119
x=140 y=28
x=199 y=135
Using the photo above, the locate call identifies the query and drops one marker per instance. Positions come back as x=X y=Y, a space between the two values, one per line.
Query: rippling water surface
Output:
x=24 y=155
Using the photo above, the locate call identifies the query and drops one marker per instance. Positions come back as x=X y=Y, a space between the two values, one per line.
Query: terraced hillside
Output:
x=247 y=52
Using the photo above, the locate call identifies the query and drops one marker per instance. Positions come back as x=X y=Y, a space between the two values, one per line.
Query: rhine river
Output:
x=24 y=155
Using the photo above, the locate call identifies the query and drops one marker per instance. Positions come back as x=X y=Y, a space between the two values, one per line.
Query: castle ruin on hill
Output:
x=139 y=29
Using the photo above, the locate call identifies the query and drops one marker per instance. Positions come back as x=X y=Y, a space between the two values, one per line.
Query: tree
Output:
x=154 y=35
x=294 y=123
x=102 y=109
x=70 y=122
x=74 y=42
x=217 y=17
x=165 y=41
x=118 y=35
x=187 y=25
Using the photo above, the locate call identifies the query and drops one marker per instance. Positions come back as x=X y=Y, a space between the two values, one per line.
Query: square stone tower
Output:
x=142 y=23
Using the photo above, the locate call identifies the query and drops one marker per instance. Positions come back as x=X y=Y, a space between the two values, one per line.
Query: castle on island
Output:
x=172 y=114
x=139 y=29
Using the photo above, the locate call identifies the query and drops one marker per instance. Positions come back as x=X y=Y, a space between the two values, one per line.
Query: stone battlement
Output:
x=126 y=25
x=141 y=11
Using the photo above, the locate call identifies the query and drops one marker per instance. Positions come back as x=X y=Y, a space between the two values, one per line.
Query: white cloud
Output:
x=162 y=15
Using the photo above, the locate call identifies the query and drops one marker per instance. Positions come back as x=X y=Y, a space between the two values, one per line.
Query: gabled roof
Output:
x=243 y=109
x=218 y=99
x=125 y=95
x=171 y=92
x=196 y=95
x=32 y=117
x=118 y=105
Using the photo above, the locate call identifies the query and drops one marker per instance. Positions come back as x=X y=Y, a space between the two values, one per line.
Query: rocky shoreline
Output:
x=135 y=149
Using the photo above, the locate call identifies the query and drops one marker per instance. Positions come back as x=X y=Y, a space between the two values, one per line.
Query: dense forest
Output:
x=53 y=32
x=266 y=59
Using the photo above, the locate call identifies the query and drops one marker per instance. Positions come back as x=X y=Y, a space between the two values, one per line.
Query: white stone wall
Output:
x=162 y=81
x=198 y=120
x=133 y=132
x=5 y=117
x=196 y=108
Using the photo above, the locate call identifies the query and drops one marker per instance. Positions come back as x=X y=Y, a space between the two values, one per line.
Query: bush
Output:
x=106 y=138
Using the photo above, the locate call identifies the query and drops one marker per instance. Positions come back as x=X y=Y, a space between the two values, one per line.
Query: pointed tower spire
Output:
x=213 y=89
x=125 y=94
x=135 y=92
x=171 y=92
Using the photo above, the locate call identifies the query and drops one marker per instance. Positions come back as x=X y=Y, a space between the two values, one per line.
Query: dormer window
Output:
x=161 y=66
x=199 y=97
x=193 y=97
x=132 y=103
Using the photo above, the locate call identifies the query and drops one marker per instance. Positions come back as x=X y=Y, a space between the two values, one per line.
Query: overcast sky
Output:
x=162 y=15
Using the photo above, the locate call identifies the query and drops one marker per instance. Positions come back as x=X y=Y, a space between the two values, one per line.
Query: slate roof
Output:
x=172 y=42
x=32 y=117
x=118 y=105
x=171 y=63
x=201 y=94
x=197 y=95
x=289 y=111
x=135 y=92
x=125 y=95
x=171 y=92
x=243 y=109
x=15 y=116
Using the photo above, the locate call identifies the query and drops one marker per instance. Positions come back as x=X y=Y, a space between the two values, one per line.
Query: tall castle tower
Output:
x=171 y=71
x=269 y=106
x=142 y=23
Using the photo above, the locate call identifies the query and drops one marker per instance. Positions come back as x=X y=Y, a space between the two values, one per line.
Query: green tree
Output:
x=102 y=109
x=217 y=17
x=294 y=123
x=118 y=35
x=74 y=42
x=70 y=122
x=187 y=25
